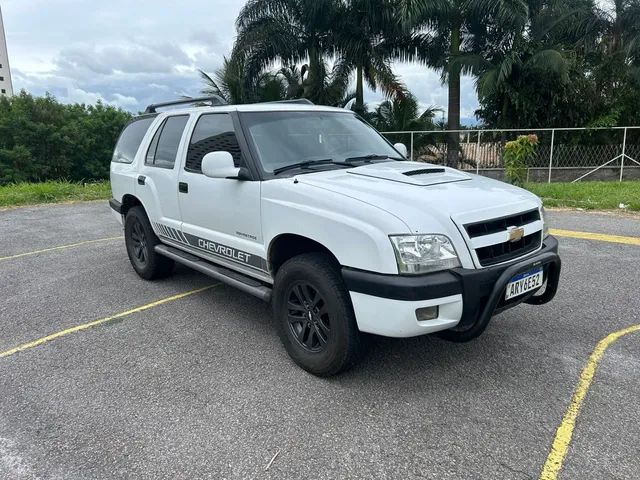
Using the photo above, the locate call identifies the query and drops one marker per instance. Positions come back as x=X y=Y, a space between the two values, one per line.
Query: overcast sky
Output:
x=134 y=52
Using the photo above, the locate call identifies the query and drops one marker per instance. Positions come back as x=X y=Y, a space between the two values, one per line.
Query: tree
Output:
x=403 y=114
x=368 y=35
x=229 y=83
x=289 y=31
x=451 y=29
x=42 y=139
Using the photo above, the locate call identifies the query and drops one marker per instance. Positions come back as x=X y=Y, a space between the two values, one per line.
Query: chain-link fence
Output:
x=562 y=154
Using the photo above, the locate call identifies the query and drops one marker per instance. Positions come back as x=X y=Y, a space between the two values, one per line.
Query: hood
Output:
x=419 y=193
x=411 y=173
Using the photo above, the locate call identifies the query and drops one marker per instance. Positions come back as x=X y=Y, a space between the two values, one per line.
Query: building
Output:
x=6 y=88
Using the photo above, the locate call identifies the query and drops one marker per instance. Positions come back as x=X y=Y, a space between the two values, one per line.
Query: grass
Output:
x=589 y=195
x=52 y=192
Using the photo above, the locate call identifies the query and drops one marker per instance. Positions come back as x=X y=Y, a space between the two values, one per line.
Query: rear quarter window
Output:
x=130 y=140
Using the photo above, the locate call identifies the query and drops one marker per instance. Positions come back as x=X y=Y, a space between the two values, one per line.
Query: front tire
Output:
x=314 y=316
x=140 y=241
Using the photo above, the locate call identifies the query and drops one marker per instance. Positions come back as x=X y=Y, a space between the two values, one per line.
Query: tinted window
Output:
x=213 y=133
x=164 y=146
x=285 y=138
x=130 y=140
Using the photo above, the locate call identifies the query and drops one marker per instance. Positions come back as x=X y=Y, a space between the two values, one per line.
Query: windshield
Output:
x=286 y=138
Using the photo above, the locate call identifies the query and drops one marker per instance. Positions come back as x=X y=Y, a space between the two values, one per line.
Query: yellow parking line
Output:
x=602 y=237
x=562 y=440
x=61 y=247
x=95 y=323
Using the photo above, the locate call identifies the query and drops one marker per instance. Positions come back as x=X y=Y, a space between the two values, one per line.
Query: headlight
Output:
x=424 y=253
x=545 y=225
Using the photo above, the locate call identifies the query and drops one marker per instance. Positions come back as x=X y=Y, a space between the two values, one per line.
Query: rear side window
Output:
x=214 y=132
x=164 y=146
x=130 y=140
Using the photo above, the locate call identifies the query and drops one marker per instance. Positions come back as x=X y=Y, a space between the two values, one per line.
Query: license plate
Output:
x=523 y=283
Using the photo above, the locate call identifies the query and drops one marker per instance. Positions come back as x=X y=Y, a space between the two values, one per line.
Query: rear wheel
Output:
x=314 y=315
x=140 y=241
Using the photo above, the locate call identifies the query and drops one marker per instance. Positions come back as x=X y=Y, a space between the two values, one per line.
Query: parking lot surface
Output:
x=199 y=386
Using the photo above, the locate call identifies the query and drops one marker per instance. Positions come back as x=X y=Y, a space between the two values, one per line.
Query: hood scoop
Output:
x=423 y=171
x=412 y=173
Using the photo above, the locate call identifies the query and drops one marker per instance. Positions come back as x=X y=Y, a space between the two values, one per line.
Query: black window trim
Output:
x=158 y=132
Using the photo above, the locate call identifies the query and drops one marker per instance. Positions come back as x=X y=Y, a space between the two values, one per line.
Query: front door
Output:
x=220 y=217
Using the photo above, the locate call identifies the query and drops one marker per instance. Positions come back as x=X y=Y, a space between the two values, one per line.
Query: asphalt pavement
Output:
x=200 y=387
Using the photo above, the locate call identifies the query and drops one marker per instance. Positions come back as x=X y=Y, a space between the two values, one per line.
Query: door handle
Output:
x=183 y=187
x=141 y=179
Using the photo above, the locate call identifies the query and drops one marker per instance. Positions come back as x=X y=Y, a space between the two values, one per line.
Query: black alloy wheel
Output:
x=309 y=319
x=139 y=243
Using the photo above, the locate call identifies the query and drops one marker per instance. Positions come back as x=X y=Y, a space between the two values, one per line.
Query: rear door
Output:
x=157 y=181
x=220 y=216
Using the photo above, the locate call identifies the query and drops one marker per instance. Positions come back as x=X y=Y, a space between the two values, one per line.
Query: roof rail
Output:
x=214 y=99
x=303 y=101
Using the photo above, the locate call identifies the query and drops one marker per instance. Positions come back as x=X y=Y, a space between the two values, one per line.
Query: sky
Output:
x=130 y=53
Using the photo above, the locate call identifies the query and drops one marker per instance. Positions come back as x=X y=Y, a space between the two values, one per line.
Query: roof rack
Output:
x=303 y=101
x=214 y=99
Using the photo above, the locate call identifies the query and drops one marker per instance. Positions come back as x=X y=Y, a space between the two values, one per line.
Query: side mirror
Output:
x=219 y=165
x=402 y=148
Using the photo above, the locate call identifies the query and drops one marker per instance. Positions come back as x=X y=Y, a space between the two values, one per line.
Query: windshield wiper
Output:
x=369 y=158
x=307 y=164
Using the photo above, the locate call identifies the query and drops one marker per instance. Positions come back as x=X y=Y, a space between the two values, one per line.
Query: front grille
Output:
x=496 y=225
x=508 y=250
x=503 y=252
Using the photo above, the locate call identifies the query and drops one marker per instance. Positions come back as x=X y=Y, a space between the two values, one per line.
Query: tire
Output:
x=140 y=241
x=321 y=337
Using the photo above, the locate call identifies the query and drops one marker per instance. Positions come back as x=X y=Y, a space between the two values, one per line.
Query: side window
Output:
x=164 y=145
x=213 y=132
x=130 y=140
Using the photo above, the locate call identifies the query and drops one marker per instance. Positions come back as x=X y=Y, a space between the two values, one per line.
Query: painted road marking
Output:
x=562 y=440
x=61 y=247
x=601 y=237
x=95 y=323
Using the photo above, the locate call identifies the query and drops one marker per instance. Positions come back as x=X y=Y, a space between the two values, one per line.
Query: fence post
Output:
x=478 y=154
x=553 y=137
x=624 y=152
x=411 y=154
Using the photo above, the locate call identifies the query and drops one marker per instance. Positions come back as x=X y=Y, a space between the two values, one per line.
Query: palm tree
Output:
x=528 y=53
x=368 y=35
x=451 y=29
x=403 y=114
x=229 y=84
x=290 y=31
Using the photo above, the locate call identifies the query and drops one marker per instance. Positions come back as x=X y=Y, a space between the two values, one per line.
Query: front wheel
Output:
x=314 y=316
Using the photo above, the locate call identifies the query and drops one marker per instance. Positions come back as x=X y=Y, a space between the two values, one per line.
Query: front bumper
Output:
x=468 y=298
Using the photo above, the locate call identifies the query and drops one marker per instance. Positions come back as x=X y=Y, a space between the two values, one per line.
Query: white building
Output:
x=6 y=88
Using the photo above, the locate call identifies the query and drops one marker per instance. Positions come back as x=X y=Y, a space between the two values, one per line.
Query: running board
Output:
x=234 y=279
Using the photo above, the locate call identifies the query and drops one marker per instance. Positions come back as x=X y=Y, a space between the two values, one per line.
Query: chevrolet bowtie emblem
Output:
x=515 y=233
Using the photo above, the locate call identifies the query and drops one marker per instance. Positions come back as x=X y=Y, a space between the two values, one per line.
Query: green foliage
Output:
x=589 y=195
x=15 y=194
x=516 y=155
x=42 y=139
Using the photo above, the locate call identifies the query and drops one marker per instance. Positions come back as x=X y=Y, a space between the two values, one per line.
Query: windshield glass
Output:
x=287 y=138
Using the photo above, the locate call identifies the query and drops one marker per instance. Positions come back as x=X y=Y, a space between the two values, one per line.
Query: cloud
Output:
x=131 y=54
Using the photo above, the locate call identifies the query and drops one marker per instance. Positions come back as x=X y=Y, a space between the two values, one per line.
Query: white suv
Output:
x=310 y=208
